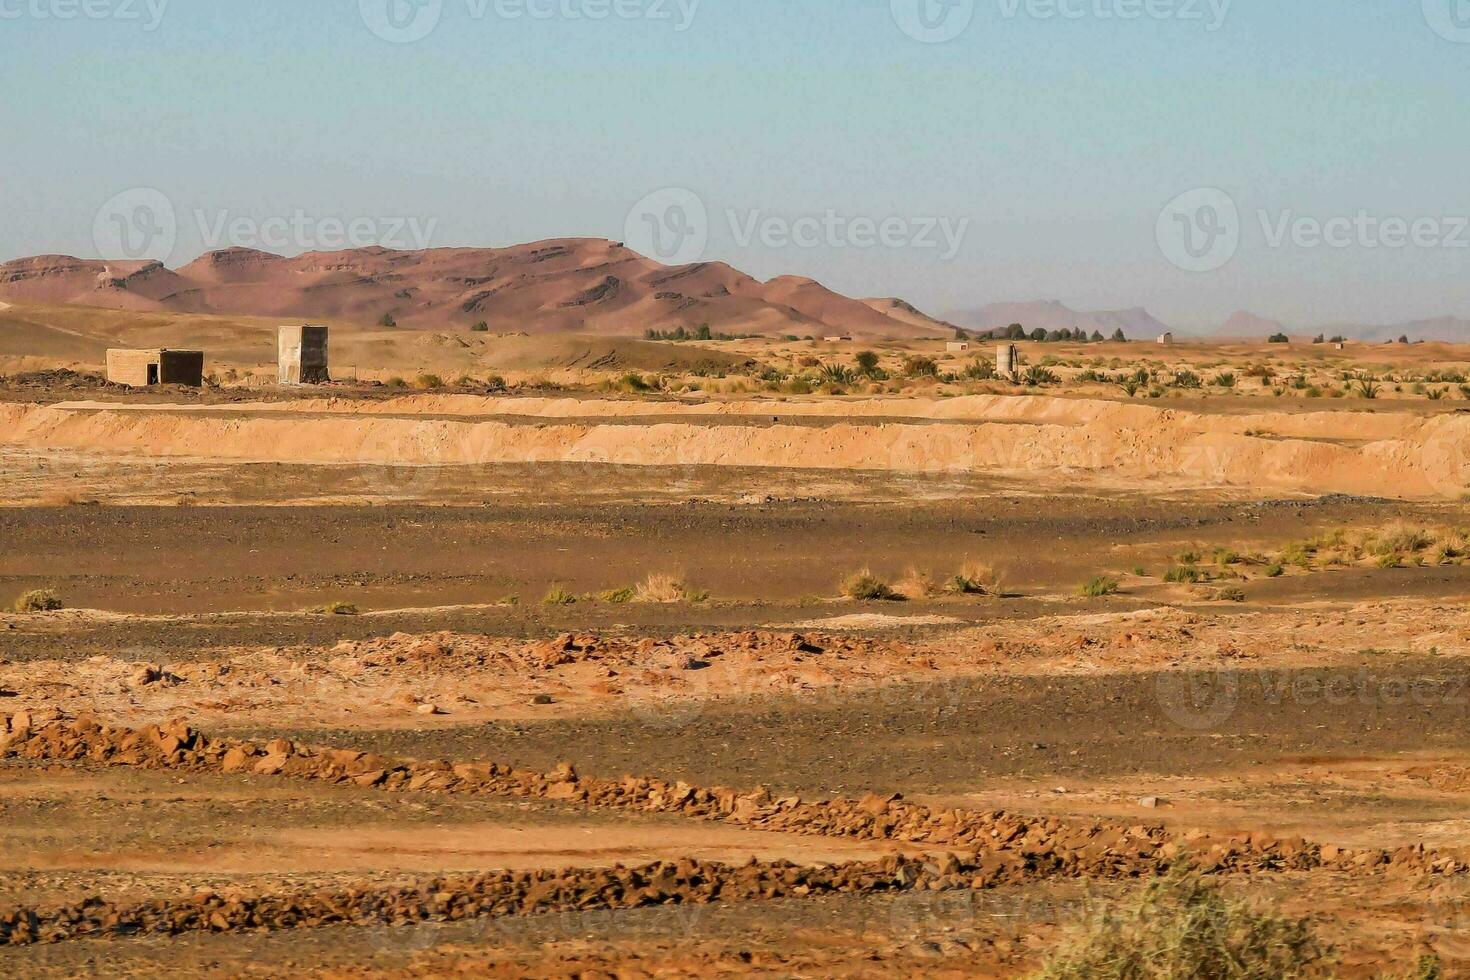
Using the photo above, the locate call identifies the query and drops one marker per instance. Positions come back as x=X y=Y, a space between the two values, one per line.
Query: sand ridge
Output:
x=1129 y=445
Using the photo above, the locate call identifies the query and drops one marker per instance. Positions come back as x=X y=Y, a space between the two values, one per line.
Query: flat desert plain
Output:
x=616 y=658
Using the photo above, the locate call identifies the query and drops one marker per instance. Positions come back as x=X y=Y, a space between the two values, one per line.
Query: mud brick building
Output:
x=302 y=356
x=1007 y=360
x=160 y=366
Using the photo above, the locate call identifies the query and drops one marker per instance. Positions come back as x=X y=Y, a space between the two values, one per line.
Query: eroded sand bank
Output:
x=1131 y=445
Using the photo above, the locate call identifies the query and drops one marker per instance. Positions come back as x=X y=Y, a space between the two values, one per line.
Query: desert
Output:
x=587 y=490
x=726 y=656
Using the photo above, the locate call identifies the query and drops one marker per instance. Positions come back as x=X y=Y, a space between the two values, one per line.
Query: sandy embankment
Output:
x=1130 y=445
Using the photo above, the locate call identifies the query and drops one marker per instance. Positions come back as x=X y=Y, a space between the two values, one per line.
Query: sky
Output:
x=1303 y=159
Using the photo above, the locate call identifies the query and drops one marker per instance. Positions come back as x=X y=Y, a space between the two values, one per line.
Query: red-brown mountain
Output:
x=562 y=286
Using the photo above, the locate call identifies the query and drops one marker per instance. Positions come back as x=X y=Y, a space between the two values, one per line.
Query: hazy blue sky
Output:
x=1059 y=137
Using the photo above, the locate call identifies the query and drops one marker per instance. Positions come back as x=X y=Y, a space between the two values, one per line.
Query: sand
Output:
x=1130 y=445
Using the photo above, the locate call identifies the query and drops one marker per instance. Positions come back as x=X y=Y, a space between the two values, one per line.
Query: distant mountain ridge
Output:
x=587 y=286
x=1136 y=323
x=571 y=286
x=1448 y=329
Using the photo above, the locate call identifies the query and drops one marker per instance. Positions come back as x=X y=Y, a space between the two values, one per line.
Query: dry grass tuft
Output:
x=1182 y=926
x=666 y=589
x=864 y=586
x=39 y=600
x=918 y=584
x=977 y=578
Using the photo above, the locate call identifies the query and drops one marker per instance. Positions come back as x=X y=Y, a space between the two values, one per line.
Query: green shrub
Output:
x=1182 y=926
x=1275 y=570
x=633 y=384
x=39 y=600
x=920 y=367
x=1099 y=586
x=619 y=597
x=1184 y=573
x=837 y=374
x=980 y=370
x=558 y=596
x=1229 y=594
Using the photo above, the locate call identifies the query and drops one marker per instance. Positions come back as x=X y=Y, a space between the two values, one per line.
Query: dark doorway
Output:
x=153 y=374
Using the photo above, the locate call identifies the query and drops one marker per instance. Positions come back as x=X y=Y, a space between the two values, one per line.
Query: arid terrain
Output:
x=584 y=657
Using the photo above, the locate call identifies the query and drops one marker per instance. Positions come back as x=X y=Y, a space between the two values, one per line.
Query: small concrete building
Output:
x=1007 y=360
x=302 y=355
x=957 y=346
x=1166 y=339
x=141 y=368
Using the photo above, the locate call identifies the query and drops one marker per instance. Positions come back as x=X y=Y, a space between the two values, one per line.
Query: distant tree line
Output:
x=701 y=332
x=1076 y=335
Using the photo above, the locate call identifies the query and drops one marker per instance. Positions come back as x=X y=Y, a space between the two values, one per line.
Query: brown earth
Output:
x=383 y=794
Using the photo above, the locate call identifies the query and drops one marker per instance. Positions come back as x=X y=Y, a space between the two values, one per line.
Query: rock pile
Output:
x=1046 y=843
x=458 y=651
x=505 y=893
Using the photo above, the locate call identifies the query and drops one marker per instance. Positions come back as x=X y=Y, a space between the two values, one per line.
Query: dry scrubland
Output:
x=628 y=658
